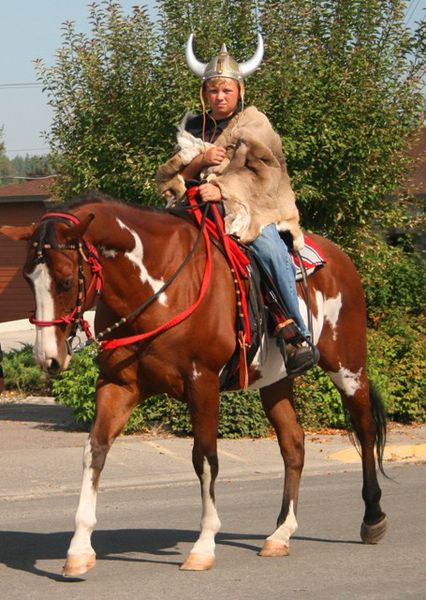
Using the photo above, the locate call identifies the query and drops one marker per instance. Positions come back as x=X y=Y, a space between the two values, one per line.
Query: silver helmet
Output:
x=223 y=65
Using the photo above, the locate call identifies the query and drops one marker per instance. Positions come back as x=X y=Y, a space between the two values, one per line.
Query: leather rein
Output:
x=87 y=253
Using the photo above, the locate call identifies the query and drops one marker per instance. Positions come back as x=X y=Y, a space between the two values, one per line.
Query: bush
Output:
x=22 y=374
x=241 y=414
x=392 y=279
x=398 y=366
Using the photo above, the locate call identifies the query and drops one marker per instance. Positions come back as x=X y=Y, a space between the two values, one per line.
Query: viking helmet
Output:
x=223 y=65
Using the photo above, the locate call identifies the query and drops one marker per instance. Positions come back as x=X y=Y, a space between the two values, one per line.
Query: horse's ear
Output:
x=76 y=232
x=18 y=232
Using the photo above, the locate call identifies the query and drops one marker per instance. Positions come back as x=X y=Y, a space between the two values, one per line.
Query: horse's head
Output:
x=56 y=268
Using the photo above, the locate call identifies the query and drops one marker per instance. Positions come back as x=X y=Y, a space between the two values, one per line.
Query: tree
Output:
x=32 y=165
x=340 y=82
x=6 y=168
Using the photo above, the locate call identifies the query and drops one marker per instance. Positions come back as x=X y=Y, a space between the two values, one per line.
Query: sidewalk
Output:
x=41 y=454
x=41 y=451
x=16 y=334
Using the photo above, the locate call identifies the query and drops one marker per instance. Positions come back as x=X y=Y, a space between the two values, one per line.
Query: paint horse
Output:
x=135 y=251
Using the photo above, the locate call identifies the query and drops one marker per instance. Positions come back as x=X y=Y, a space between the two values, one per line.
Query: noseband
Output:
x=87 y=253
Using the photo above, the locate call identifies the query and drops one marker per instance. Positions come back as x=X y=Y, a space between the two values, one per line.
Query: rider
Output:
x=237 y=156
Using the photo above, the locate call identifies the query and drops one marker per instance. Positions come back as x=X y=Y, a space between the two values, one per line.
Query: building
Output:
x=20 y=204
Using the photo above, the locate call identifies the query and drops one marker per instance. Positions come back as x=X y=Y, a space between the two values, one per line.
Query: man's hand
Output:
x=209 y=192
x=213 y=156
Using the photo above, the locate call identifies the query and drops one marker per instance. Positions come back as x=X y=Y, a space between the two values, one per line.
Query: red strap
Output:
x=236 y=257
x=111 y=344
x=61 y=215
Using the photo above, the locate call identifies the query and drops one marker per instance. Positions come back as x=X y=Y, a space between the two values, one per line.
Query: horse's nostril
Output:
x=54 y=367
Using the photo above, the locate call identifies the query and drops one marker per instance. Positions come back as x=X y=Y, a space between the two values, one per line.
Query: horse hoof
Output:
x=78 y=564
x=273 y=548
x=372 y=534
x=198 y=562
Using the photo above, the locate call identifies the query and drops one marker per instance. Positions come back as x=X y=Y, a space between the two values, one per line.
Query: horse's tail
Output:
x=379 y=416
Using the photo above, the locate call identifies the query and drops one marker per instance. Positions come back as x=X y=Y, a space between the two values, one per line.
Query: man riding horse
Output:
x=233 y=154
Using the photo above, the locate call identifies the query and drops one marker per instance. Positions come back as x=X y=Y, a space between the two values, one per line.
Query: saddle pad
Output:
x=312 y=258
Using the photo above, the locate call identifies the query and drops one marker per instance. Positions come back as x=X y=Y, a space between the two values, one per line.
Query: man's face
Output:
x=222 y=97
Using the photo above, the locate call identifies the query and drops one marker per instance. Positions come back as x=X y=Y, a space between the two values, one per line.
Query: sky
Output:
x=31 y=29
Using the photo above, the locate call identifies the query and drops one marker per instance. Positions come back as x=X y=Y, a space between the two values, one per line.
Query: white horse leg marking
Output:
x=46 y=347
x=210 y=523
x=136 y=257
x=283 y=533
x=85 y=519
x=346 y=380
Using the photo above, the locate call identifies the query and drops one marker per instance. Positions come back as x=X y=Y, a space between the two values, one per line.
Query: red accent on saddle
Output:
x=312 y=256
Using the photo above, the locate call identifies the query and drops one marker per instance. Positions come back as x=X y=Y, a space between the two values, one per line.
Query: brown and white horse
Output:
x=138 y=250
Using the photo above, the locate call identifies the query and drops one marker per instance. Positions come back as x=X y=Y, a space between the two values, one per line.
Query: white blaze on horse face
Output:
x=46 y=346
x=136 y=257
x=346 y=380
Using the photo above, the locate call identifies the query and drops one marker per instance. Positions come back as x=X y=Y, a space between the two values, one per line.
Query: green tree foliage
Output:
x=32 y=165
x=6 y=168
x=340 y=82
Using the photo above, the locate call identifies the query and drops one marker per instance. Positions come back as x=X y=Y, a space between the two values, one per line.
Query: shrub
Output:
x=398 y=366
x=241 y=414
x=22 y=374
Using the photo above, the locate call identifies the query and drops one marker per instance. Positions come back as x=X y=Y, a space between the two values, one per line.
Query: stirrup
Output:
x=298 y=359
x=288 y=332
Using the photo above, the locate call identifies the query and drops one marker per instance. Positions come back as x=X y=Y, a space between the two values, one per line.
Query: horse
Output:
x=146 y=263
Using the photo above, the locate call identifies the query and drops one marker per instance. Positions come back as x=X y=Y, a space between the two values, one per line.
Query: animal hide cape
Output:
x=253 y=177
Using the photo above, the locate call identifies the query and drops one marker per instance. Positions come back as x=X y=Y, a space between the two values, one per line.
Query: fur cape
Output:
x=253 y=177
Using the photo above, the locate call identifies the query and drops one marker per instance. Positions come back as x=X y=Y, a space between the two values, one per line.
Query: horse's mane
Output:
x=97 y=197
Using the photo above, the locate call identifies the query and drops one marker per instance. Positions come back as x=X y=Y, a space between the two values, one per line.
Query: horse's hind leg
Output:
x=277 y=400
x=113 y=407
x=203 y=398
x=369 y=422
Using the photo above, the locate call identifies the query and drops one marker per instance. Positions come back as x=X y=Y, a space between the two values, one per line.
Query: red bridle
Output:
x=87 y=253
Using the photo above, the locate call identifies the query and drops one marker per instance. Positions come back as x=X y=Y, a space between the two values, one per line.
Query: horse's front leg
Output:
x=203 y=398
x=277 y=400
x=113 y=407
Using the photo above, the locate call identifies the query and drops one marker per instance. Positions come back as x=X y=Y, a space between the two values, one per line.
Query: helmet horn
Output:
x=247 y=67
x=194 y=64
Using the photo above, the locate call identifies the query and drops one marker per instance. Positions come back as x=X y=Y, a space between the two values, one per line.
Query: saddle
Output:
x=261 y=308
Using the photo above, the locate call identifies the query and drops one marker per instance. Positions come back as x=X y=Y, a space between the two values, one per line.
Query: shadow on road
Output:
x=22 y=550
x=49 y=416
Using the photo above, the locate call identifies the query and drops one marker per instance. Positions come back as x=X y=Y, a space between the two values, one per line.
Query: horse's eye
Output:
x=64 y=285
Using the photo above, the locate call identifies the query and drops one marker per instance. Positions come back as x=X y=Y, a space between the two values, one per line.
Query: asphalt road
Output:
x=149 y=510
x=144 y=532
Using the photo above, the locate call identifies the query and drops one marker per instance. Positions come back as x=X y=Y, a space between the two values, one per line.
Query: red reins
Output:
x=87 y=253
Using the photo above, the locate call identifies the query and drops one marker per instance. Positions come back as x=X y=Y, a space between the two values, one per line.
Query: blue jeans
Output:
x=275 y=257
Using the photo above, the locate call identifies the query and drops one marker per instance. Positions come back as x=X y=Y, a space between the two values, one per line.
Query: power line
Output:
x=27 y=149
x=29 y=178
x=20 y=86
x=412 y=10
